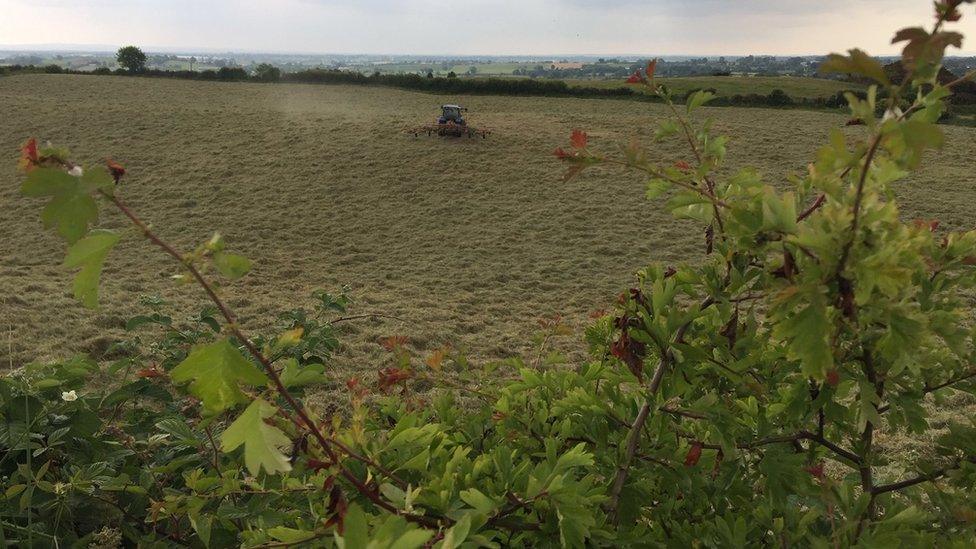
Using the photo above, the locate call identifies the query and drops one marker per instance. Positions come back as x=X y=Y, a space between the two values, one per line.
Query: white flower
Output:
x=69 y=396
x=75 y=171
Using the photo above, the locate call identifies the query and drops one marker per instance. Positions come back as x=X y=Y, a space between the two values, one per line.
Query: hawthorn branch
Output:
x=633 y=436
x=965 y=376
x=927 y=477
x=326 y=445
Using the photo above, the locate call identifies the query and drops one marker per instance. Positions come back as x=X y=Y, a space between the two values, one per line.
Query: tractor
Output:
x=451 y=123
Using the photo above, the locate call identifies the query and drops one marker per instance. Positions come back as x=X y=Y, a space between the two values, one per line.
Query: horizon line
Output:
x=176 y=50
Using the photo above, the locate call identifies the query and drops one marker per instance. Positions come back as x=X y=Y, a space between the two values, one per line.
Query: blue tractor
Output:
x=452 y=114
x=451 y=122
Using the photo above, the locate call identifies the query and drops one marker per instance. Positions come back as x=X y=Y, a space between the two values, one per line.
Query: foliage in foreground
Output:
x=737 y=400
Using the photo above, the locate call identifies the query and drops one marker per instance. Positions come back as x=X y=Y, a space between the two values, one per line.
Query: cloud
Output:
x=653 y=27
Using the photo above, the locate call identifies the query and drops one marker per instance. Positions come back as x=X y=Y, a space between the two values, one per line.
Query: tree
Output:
x=131 y=58
x=472 y=70
x=266 y=72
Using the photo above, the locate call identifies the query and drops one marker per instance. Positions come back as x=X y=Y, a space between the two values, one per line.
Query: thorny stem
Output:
x=633 y=437
x=709 y=184
x=326 y=444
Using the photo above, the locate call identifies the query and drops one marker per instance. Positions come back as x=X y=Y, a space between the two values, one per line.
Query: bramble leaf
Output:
x=89 y=254
x=216 y=370
x=262 y=442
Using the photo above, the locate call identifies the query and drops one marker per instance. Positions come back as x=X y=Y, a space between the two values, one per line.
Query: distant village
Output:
x=580 y=67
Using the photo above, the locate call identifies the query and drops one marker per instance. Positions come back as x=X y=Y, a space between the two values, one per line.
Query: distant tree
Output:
x=472 y=70
x=266 y=72
x=452 y=74
x=131 y=58
x=430 y=74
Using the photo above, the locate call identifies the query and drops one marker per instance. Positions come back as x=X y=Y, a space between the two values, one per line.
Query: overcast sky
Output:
x=471 y=27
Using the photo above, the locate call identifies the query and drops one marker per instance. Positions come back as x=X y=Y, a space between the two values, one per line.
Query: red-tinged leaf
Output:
x=318 y=464
x=833 y=377
x=150 y=372
x=817 y=470
x=630 y=351
x=337 y=509
x=498 y=415
x=389 y=377
x=599 y=313
x=328 y=483
x=114 y=168
x=635 y=78
x=969 y=260
x=563 y=154
x=393 y=343
x=682 y=165
x=693 y=455
x=930 y=224
x=356 y=388
x=651 y=67
x=28 y=156
x=29 y=150
x=578 y=139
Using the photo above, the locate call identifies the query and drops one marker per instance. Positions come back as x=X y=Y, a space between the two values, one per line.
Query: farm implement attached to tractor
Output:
x=451 y=123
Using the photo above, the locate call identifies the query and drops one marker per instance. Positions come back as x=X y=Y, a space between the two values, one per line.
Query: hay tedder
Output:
x=451 y=123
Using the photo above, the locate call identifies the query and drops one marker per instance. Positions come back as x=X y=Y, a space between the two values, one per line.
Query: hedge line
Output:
x=469 y=86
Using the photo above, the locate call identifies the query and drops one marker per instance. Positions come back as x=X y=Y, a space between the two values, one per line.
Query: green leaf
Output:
x=232 y=266
x=262 y=442
x=201 y=524
x=858 y=62
x=698 y=99
x=71 y=212
x=456 y=534
x=412 y=539
x=809 y=333
x=97 y=179
x=294 y=375
x=355 y=535
x=48 y=182
x=656 y=187
x=478 y=500
x=89 y=254
x=290 y=535
x=217 y=369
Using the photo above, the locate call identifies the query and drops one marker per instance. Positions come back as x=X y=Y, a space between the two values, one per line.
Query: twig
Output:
x=299 y=410
x=368 y=315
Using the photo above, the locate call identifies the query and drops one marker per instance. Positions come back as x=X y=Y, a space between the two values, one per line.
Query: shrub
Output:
x=737 y=400
x=267 y=73
x=231 y=73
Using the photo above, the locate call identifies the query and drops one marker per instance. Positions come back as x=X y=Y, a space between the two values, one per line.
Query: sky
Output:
x=474 y=27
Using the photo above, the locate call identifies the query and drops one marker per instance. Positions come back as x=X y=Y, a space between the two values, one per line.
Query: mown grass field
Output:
x=470 y=241
x=796 y=87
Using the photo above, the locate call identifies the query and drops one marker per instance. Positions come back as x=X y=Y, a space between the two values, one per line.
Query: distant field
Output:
x=738 y=85
x=471 y=241
x=483 y=69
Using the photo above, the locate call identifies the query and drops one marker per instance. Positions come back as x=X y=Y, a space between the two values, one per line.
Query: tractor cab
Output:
x=452 y=114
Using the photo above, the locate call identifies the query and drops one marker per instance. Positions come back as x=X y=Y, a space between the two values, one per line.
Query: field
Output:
x=797 y=87
x=471 y=242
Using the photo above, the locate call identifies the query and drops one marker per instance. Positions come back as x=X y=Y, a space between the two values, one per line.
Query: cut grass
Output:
x=472 y=241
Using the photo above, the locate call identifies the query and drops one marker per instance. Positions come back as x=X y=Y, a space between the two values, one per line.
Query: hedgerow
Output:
x=736 y=400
